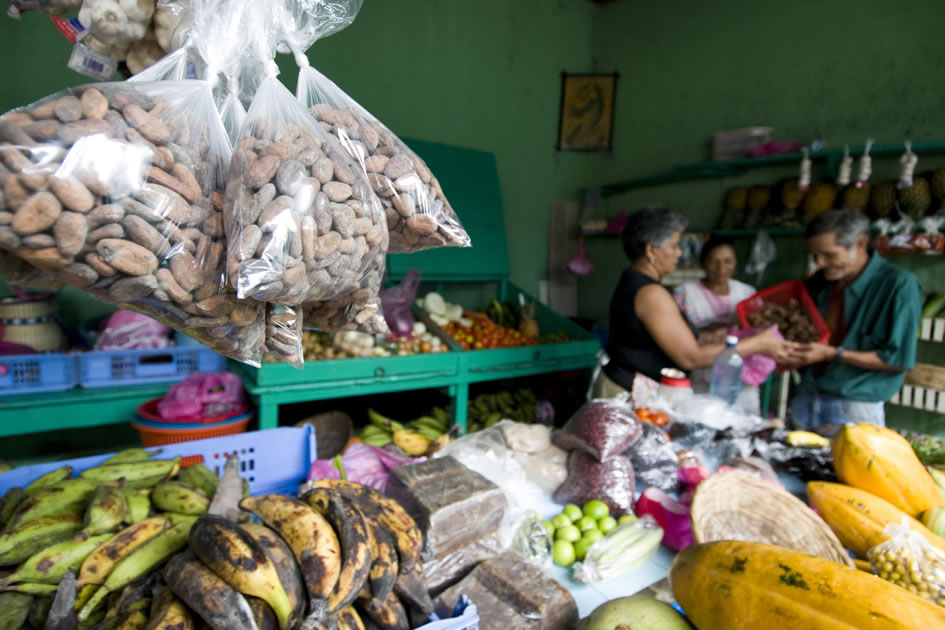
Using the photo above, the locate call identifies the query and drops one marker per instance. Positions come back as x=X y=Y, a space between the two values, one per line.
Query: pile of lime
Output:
x=574 y=530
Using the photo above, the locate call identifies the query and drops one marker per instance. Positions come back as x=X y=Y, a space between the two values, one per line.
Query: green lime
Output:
x=560 y=520
x=586 y=522
x=569 y=533
x=572 y=511
x=607 y=524
x=626 y=518
x=563 y=553
x=596 y=509
x=592 y=534
x=549 y=528
x=581 y=547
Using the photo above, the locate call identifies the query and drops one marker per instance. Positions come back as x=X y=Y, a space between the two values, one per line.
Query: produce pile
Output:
x=422 y=436
x=323 y=346
x=138 y=542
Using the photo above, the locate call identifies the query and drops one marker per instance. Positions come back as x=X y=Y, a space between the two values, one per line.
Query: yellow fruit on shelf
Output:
x=882 y=462
x=859 y=518
x=753 y=586
x=411 y=443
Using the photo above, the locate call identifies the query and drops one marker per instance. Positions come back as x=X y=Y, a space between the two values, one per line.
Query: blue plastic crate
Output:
x=112 y=368
x=272 y=461
x=30 y=373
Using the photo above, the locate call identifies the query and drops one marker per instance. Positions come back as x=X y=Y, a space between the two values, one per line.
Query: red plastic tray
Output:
x=782 y=294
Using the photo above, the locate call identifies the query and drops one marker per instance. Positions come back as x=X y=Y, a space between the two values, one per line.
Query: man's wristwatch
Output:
x=838 y=357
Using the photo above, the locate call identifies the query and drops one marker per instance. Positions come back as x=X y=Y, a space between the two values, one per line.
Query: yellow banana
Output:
x=71 y=495
x=389 y=615
x=220 y=605
x=100 y=562
x=139 y=562
x=175 y=496
x=385 y=511
x=355 y=538
x=135 y=620
x=311 y=538
x=384 y=568
x=281 y=556
x=413 y=444
x=19 y=542
x=170 y=613
x=52 y=563
x=235 y=557
x=55 y=476
x=806 y=439
x=105 y=512
x=14 y=609
x=143 y=474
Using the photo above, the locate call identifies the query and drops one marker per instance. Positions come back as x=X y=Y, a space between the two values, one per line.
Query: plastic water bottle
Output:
x=727 y=373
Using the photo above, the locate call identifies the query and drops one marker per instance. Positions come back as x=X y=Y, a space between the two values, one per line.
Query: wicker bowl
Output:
x=735 y=505
x=31 y=321
x=333 y=431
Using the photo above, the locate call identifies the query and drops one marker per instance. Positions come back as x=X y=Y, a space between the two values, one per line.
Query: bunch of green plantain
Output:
x=421 y=436
x=486 y=410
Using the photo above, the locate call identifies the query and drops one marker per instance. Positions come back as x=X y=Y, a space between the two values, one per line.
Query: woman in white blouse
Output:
x=710 y=303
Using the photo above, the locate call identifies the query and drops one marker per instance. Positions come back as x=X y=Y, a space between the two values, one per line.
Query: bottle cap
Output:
x=674 y=378
x=731 y=340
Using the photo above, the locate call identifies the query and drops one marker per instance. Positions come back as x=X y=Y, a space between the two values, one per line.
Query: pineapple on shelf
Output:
x=820 y=198
x=916 y=199
x=937 y=180
x=883 y=200
x=856 y=198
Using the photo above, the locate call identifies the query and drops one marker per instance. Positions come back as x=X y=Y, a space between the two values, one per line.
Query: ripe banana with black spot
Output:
x=218 y=604
x=51 y=564
x=412 y=588
x=19 y=542
x=386 y=511
x=71 y=495
x=349 y=619
x=281 y=556
x=141 y=561
x=106 y=511
x=176 y=496
x=384 y=569
x=262 y=613
x=311 y=538
x=238 y=559
x=99 y=564
x=351 y=526
x=50 y=478
x=170 y=613
x=390 y=615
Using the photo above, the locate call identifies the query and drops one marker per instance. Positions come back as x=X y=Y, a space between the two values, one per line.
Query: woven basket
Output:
x=740 y=506
x=32 y=322
x=333 y=431
x=927 y=375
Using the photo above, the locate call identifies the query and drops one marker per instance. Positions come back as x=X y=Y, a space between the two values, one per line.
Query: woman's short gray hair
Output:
x=845 y=224
x=650 y=226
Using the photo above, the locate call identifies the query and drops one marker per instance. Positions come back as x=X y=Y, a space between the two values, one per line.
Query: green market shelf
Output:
x=33 y=413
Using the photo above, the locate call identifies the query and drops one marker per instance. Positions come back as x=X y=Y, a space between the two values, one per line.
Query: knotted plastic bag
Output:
x=909 y=560
x=203 y=395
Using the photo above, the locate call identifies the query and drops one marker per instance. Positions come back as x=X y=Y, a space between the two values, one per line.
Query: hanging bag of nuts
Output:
x=907 y=559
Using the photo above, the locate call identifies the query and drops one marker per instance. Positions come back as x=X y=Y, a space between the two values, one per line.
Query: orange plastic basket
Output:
x=154 y=436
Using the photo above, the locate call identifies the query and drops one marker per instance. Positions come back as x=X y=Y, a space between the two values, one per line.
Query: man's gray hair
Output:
x=846 y=225
x=650 y=226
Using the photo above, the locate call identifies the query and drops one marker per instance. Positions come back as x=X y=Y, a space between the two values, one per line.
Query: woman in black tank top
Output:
x=648 y=332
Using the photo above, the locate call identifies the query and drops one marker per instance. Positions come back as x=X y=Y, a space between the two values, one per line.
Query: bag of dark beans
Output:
x=601 y=428
x=611 y=481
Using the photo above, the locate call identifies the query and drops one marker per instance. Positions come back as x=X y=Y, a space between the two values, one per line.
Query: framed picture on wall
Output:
x=586 y=120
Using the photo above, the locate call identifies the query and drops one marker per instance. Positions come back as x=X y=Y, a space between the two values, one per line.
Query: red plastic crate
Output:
x=782 y=294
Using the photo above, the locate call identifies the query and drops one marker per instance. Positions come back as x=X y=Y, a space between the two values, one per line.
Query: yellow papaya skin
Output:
x=731 y=585
x=880 y=461
x=858 y=518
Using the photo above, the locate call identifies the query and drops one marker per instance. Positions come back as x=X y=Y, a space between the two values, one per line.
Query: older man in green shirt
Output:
x=872 y=309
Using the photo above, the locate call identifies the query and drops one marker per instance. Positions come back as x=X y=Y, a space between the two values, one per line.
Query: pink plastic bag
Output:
x=203 y=395
x=364 y=464
x=125 y=330
x=396 y=303
x=757 y=367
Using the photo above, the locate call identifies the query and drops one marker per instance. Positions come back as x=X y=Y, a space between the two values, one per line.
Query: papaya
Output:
x=882 y=462
x=858 y=518
x=753 y=586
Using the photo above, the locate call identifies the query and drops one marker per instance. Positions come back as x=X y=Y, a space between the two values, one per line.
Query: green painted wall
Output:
x=843 y=70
